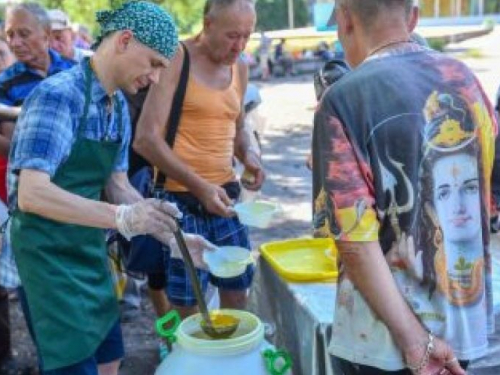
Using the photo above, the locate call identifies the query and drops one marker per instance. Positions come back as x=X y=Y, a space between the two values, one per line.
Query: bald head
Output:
x=369 y=11
x=214 y=7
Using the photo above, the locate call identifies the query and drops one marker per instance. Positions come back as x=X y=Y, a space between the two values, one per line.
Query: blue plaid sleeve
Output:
x=122 y=159
x=44 y=131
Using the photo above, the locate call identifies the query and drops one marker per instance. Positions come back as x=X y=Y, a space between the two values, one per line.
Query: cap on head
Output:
x=59 y=20
x=150 y=24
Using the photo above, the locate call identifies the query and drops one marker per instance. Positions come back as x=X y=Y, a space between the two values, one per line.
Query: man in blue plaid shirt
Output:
x=27 y=30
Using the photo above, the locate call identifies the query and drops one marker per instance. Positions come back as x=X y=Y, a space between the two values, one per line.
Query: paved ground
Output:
x=288 y=106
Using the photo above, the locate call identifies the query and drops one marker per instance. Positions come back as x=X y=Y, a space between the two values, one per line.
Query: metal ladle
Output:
x=219 y=332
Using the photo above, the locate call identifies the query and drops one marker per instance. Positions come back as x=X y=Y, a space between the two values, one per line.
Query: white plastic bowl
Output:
x=257 y=214
x=228 y=261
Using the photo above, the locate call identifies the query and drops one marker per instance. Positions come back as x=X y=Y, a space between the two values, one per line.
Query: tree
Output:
x=186 y=13
x=273 y=14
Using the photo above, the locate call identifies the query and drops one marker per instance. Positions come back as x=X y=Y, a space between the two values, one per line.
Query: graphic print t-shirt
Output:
x=403 y=150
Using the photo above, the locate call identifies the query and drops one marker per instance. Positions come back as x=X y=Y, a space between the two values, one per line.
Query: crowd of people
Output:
x=275 y=58
x=137 y=138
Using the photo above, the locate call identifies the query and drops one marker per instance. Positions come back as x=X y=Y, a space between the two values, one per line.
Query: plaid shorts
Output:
x=216 y=229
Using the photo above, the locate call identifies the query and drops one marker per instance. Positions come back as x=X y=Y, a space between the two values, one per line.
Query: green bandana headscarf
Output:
x=151 y=25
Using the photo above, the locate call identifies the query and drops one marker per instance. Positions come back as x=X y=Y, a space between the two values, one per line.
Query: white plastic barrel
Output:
x=241 y=354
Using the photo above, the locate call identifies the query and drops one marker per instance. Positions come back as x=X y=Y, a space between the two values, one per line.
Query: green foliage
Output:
x=273 y=14
x=187 y=13
x=79 y=11
x=492 y=6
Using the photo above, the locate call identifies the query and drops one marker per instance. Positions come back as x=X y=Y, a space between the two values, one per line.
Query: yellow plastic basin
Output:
x=303 y=260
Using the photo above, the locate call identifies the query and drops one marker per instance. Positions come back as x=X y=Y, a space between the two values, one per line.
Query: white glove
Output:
x=196 y=246
x=150 y=216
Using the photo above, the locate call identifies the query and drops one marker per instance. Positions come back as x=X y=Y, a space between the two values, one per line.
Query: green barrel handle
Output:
x=173 y=320
x=275 y=358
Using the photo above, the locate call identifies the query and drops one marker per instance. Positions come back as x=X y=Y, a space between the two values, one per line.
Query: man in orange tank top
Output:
x=200 y=175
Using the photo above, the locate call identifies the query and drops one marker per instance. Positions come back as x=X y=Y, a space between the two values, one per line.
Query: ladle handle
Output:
x=193 y=277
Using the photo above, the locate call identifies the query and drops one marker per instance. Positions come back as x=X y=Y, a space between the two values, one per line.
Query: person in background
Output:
x=8 y=366
x=403 y=185
x=62 y=38
x=282 y=58
x=199 y=169
x=83 y=39
x=323 y=52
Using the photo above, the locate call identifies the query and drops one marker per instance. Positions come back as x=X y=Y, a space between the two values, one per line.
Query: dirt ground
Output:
x=288 y=106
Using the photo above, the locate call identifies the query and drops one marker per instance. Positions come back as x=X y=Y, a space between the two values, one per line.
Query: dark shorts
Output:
x=218 y=230
x=110 y=350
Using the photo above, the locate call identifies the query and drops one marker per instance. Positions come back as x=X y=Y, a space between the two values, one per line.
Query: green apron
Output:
x=64 y=267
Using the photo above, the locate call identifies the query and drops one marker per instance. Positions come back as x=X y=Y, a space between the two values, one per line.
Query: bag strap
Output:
x=175 y=111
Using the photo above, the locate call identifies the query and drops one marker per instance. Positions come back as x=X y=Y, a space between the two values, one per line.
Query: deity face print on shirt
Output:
x=456 y=197
x=451 y=237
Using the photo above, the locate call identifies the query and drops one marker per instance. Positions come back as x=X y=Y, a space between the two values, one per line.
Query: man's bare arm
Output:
x=369 y=272
x=38 y=195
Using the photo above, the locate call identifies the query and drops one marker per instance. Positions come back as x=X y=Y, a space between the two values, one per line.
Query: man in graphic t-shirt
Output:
x=403 y=152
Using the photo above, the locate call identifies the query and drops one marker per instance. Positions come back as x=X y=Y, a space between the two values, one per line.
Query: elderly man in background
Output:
x=8 y=365
x=402 y=182
x=27 y=29
x=62 y=38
